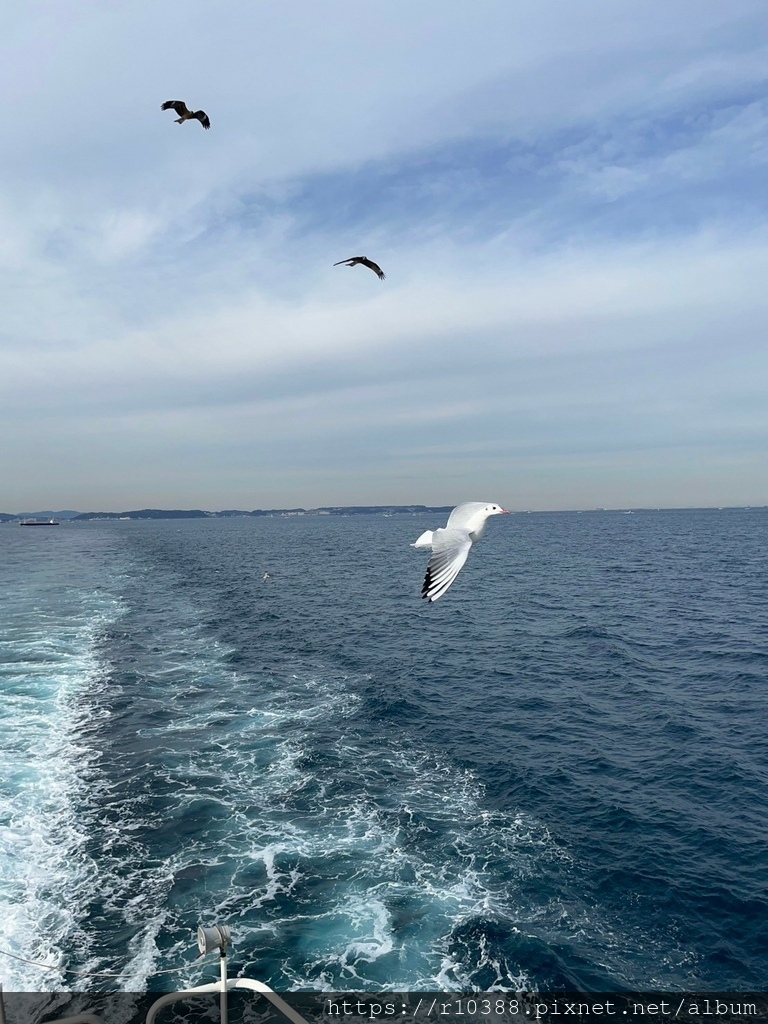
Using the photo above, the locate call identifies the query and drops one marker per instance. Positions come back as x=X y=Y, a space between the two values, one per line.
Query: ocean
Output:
x=552 y=778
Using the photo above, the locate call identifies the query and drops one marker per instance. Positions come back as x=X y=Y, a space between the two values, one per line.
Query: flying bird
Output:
x=450 y=546
x=185 y=114
x=354 y=260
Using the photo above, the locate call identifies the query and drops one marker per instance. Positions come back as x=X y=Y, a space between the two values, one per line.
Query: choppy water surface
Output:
x=554 y=777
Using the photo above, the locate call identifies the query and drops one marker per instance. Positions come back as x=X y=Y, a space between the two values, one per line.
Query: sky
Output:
x=570 y=203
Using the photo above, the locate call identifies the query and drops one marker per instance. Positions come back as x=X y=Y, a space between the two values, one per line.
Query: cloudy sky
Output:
x=568 y=199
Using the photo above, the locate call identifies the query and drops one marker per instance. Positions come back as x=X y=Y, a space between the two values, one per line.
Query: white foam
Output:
x=379 y=843
x=287 y=822
x=50 y=696
x=371 y=916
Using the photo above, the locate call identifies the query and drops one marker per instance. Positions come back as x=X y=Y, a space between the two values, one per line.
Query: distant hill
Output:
x=324 y=510
x=148 y=513
x=228 y=513
x=64 y=513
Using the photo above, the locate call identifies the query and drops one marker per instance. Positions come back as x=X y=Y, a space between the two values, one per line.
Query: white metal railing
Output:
x=224 y=986
x=217 y=937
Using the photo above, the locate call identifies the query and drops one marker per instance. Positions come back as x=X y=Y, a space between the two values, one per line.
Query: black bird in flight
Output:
x=185 y=114
x=354 y=260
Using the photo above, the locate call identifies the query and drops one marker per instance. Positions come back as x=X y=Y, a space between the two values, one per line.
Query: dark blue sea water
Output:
x=554 y=777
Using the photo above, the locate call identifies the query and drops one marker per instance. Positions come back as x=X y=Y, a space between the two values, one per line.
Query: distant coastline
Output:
x=70 y=515
x=229 y=513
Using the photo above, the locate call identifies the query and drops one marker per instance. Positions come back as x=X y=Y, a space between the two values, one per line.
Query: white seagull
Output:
x=450 y=546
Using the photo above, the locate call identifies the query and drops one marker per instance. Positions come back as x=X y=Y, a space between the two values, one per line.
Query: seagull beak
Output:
x=506 y=512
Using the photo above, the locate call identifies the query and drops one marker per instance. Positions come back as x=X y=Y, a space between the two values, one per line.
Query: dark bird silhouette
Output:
x=185 y=114
x=354 y=260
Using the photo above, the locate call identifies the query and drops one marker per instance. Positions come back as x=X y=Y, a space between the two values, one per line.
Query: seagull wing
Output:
x=374 y=267
x=203 y=118
x=424 y=541
x=449 y=553
x=178 y=105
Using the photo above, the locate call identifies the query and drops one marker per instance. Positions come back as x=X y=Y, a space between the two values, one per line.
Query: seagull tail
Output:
x=425 y=540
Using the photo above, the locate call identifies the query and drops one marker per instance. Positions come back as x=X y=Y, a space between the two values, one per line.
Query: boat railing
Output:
x=208 y=940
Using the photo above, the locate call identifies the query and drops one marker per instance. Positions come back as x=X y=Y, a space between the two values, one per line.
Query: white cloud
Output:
x=168 y=293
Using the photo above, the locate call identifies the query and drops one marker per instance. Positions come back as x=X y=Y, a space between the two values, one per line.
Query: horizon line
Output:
x=408 y=508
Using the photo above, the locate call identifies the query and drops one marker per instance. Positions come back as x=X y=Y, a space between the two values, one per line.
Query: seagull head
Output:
x=472 y=516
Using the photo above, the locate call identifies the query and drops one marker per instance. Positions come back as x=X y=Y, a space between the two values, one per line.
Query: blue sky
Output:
x=569 y=201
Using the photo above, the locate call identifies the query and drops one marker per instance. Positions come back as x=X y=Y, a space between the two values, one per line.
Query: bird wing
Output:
x=463 y=514
x=350 y=260
x=374 y=267
x=424 y=541
x=179 y=106
x=449 y=553
x=203 y=118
